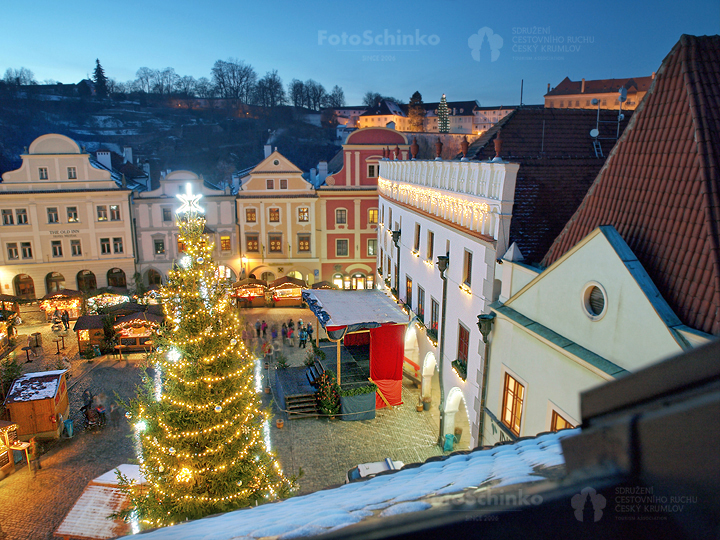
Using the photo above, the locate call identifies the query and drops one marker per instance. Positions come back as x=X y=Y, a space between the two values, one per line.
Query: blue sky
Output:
x=60 y=41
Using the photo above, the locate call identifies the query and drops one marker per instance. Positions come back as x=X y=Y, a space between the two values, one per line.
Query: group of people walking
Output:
x=292 y=335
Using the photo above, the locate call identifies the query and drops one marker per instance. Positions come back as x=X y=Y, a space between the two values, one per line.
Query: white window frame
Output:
x=337 y=243
x=72 y=173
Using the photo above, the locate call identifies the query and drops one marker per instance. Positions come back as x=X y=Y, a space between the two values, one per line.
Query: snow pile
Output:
x=387 y=495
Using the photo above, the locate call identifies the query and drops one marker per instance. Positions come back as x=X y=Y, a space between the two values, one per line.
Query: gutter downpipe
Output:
x=485 y=322
x=443 y=261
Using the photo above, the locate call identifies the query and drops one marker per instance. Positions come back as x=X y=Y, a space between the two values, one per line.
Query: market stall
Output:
x=249 y=292
x=287 y=291
x=8 y=305
x=135 y=331
x=36 y=401
x=323 y=285
x=344 y=313
x=105 y=300
x=8 y=439
x=63 y=300
x=7 y=330
x=89 y=331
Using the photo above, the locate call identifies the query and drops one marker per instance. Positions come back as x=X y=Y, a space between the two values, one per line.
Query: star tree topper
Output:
x=190 y=202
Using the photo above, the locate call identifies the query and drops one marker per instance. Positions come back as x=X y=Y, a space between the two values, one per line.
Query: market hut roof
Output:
x=8 y=298
x=249 y=282
x=35 y=386
x=323 y=285
x=64 y=293
x=88 y=322
x=287 y=282
x=140 y=317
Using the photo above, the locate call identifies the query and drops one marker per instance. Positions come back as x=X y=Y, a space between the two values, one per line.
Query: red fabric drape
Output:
x=359 y=338
x=391 y=389
x=387 y=350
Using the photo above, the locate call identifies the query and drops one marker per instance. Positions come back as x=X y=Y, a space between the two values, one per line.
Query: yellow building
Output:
x=580 y=94
x=276 y=214
x=64 y=223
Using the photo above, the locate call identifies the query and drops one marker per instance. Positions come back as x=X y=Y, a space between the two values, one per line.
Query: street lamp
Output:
x=485 y=322
x=244 y=260
x=443 y=261
x=396 y=241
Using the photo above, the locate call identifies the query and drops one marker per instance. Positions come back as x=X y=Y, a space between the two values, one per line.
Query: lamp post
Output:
x=485 y=322
x=244 y=260
x=396 y=241
x=443 y=262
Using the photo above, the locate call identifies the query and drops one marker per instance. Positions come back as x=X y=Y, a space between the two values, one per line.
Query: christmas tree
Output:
x=443 y=116
x=198 y=420
x=100 y=80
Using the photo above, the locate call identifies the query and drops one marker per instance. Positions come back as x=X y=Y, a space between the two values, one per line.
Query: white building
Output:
x=157 y=230
x=461 y=209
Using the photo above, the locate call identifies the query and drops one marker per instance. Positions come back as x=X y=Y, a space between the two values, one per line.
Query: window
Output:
x=159 y=247
x=275 y=243
x=269 y=184
x=26 y=249
x=382 y=214
x=72 y=214
x=118 y=245
x=104 y=246
x=430 y=245
x=167 y=215
x=56 y=248
x=13 y=251
x=52 y=214
x=303 y=242
x=463 y=344
x=42 y=171
x=373 y=216
x=303 y=214
x=102 y=213
x=75 y=248
x=372 y=171
x=181 y=246
x=21 y=215
x=558 y=422
x=594 y=301
x=341 y=248
x=467 y=268
x=7 y=217
x=250 y=215
x=283 y=184
x=372 y=247
x=274 y=215
x=513 y=395
x=340 y=216
x=389 y=221
x=225 y=243
x=420 y=311
x=72 y=173
x=408 y=291
x=434 y=315
x=416 y=244
x=114 y=212
x=252 y=243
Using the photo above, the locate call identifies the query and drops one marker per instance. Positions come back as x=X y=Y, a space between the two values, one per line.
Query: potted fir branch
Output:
x=358 y=402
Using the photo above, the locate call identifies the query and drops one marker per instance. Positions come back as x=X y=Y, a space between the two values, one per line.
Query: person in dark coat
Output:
x=34 y=455
x=65 y=319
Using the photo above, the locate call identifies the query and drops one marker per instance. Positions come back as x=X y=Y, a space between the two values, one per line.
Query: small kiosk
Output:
x=250 y=292
x=104 y=300
x=89 y=331
x=287 y=291
x=8 y=440
x=8 y=305
x=64 y=300
x=35 y=402
x=135 y=330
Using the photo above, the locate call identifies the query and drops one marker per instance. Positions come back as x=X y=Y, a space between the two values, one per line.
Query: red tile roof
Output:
x=557 y=166
x=661 y=186
x=600 y=86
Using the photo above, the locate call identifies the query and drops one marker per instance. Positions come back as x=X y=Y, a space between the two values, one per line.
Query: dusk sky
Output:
x=60 y=41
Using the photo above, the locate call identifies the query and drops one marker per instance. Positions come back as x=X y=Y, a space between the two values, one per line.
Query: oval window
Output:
x=594 y=301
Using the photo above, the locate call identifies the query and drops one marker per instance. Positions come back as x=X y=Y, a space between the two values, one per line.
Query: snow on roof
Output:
x=35 y=386
x=89 y=516
x=412 y=489
x=353 y=309
x=131 y=472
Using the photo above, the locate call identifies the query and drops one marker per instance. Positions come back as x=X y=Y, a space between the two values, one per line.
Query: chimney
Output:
x=652 y=76
x=548 y=88
x=127 y=154
x=103 y=157
x=268 y=150
x=582 y=87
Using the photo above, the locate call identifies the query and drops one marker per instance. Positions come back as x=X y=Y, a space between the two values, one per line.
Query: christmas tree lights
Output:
x=443 y=116
x=198 y=420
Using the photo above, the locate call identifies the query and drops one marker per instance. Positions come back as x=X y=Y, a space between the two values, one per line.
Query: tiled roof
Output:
x=661 y=187
x=601 y=86
x=557 y=166
x=438 y=482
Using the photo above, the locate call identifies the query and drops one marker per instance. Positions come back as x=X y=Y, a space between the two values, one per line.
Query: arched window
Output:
x=267 y=276
x=338 y=280
x=154 y=277
x=24 y=286
x=116 y=278
x=86 y=280
x=54 y=282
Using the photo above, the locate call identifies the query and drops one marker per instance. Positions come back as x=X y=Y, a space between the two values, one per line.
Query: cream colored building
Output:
x=605 y=92
x=276 y=214
x=63 y=223
x=157 y=230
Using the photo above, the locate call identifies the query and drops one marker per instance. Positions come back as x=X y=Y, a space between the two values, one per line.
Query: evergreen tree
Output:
x=198 y=419
x=443 y=116
x=416 y=113
x=100 y=80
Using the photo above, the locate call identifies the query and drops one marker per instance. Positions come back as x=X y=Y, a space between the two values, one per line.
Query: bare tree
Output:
x=143 y=79
x=296 y=93
x=315 y=94
x=370 y=99
x=234 y=79
x=19 y=77
x=203 y=88
x=269 y=90
x=186 y=86
x=336 y=98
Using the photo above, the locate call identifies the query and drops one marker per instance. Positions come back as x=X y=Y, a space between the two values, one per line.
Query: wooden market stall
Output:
x=66 y=299
x=323 y=285
x=249 y=292
x=9 y=304
x=36 y=401
x=135 y=331
x=8 y=439
x=89 y=331
x=6 y=328
x=105 y=300
x=287 y=291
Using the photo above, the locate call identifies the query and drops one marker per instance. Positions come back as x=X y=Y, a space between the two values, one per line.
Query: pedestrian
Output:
x=115 y=415
x=101 y=413
x=264 y=329
x=65 y=319
x=88 y=397
x=274 y=331
x=34 y=454
x=303 y=338
x=284 y=332
x=310 y=331
x=291 y=333
x=291 y=325
x=300 y=324
x=257 y=327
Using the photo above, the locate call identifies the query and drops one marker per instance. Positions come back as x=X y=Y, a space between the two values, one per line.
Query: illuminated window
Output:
x=275 y=243
x=283 y=183
x=372 y=247
x=338 y=281
x=52 y=214
x=274 y=215
x=252 y=243
x=72 y=214
x=102 y=214
x=84 y=335
x=513 y=396
x=421 y=304
x=558 y=422
x=373 y=216
x=181 y=246
x=303 y=214
x=303 y=242
x=341 y=248
x=250 y=215
x=72 y=173
x=225 y=243
x=43 y=173
x=159 y=247
x=114 y=212
x=269 y=184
